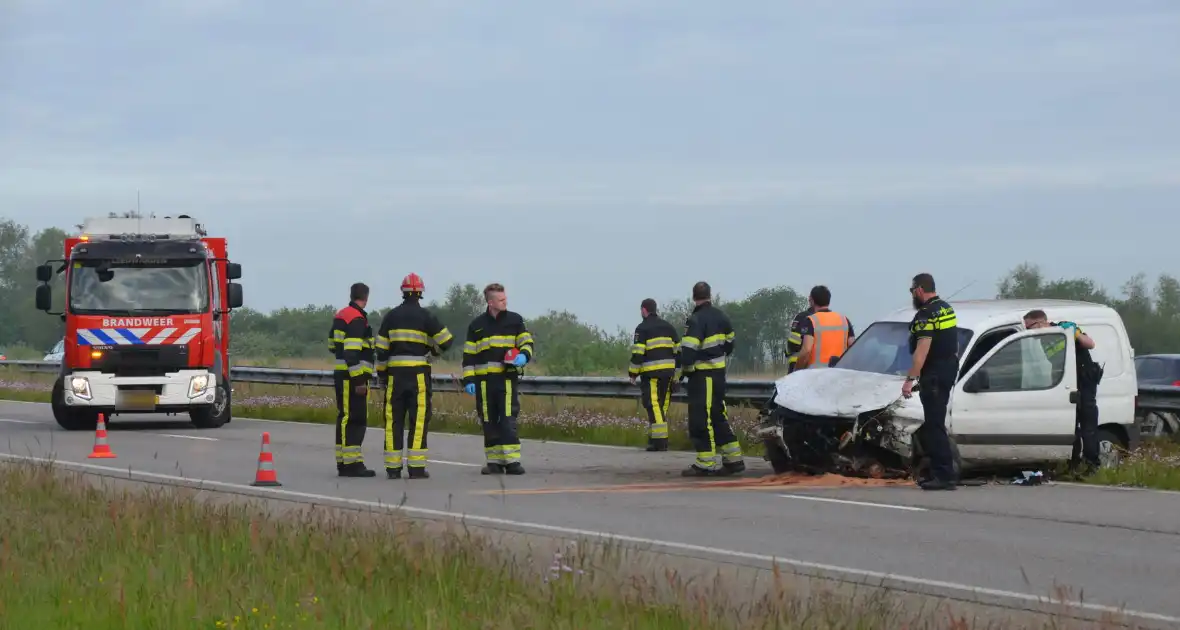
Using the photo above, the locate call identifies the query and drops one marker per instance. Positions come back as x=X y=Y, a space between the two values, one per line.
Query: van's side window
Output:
x=1028 y=364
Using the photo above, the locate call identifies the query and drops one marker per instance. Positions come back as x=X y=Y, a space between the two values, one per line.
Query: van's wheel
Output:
x=920 y=464
x=778 y=458
x=1111 y=447
x=70 y=418
x=215 y=415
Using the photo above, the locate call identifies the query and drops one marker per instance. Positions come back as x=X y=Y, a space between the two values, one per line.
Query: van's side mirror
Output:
x=44 y=297
x=233 y=271
x=978 y=382
x=44 y=273
x=832 y=361
x=234 y=295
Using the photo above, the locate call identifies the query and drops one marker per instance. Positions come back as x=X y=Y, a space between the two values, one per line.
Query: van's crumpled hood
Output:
x=836 y=392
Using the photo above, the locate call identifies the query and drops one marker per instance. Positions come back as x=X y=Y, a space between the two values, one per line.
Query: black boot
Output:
x=514 y=469
x=734 y=468
x=393 y=473
x=697 y=471
x=657 y=444
x=356 y=470
x=492 y=469
x=937 y=484
x=418 y=473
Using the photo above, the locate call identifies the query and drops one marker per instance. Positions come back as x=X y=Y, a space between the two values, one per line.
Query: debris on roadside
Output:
x=1029 y=478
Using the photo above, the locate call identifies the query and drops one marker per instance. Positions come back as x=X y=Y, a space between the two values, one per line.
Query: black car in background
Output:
x=1163 y=371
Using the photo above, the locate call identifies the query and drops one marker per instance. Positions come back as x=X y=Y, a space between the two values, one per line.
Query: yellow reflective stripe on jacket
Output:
x=406 y=335
x=941 y=321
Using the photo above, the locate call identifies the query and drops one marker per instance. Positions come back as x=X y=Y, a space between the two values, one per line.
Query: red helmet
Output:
x=511 y=355
x=413 y=282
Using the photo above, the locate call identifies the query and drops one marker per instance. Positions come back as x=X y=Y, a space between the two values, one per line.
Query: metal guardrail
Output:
x=737 y=390
x=1153 y=397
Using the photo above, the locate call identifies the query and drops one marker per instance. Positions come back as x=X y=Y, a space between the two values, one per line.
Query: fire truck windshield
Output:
x=111 y=287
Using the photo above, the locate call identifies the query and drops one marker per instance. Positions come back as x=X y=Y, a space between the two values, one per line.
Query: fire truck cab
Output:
x=147 y=303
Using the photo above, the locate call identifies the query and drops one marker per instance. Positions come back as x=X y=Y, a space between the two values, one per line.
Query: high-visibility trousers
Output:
x=407 y=407
x=708 y=420
x=656 y=394
x=351 y=419
x=497 y=403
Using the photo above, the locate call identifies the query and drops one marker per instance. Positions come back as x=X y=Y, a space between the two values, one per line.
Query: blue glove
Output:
x=470 y=388
x=520 y=360
x=1067 y=325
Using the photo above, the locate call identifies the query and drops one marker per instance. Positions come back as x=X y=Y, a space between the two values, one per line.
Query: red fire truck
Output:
x=147 y=303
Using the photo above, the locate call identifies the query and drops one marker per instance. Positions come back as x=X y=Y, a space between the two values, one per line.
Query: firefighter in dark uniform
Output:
x=653 y=362
x=934 y=344
x=351 y=341
x=795 y=338
x=407 y=334
x=1089 y=376
x=704 y=350
x=497 y=348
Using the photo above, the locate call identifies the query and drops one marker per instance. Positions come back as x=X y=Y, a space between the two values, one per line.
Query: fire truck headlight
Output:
x=197 y=385
x=80 y=386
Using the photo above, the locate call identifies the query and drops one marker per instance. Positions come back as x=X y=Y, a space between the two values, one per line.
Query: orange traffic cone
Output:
x=266 y=475
x=102 y=450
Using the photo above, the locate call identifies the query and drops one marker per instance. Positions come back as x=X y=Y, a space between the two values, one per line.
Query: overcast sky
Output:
x=588 y=154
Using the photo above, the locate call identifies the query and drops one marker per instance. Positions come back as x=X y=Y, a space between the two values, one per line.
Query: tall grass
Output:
x=77 y=555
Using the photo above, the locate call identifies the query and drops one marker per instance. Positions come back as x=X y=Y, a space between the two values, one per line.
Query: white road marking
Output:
x=18 y=421
x=876 y=577
x=186 y=437
x=443 y=461
x=847 y=502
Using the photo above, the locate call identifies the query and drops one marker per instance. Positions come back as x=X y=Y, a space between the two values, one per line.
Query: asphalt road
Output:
x=1010 y=545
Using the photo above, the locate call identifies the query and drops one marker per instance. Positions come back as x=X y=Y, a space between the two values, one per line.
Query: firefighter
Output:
x=653 y=362
x=823 y=333
x=704 y=349
x=351 y=341
x=795 y=339
x=498 y=346
x=934 y=343
x=407 y=334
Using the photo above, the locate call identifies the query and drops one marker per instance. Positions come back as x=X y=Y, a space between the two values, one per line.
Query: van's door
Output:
x=1016 y=404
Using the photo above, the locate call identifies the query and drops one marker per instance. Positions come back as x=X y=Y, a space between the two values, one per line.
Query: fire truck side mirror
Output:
x=233 y=271
x=44 y=273
x=234 y=295
x=44 y=297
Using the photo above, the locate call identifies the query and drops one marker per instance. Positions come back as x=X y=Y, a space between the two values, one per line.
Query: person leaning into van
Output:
x=934 y=344
x=1089 y=375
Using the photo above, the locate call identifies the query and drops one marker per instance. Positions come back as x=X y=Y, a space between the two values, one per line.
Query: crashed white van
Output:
x=1012 y=404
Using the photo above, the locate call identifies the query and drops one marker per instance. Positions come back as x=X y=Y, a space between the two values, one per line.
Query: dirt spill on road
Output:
x=796 y=480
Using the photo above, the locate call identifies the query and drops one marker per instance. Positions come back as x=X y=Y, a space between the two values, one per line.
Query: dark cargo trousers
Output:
x=708 y=421
x=351 y=420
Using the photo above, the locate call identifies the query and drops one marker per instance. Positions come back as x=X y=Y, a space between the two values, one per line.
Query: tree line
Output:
x=570 y=346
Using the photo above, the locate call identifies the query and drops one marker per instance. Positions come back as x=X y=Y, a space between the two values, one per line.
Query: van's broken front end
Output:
x=842 y=422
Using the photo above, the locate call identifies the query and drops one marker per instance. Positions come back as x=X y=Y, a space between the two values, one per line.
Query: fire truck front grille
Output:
x=141 y=361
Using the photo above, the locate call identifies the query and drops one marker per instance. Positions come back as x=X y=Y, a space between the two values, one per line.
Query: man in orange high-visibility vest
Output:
x=824 y=333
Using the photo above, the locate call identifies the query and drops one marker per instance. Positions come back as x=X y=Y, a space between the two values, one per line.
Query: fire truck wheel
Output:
x=214 y=415
x=68 y=418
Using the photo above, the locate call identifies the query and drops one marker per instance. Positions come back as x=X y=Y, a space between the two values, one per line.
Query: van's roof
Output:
x=971 y=313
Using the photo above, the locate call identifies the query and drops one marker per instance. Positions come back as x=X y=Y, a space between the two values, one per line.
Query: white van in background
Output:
x=1012 y=404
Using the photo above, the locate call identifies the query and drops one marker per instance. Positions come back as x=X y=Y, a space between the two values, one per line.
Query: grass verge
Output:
x=74 y=555
x=1155 y=464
